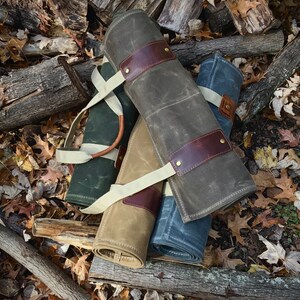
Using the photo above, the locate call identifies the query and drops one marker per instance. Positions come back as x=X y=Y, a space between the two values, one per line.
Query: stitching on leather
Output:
x=180 y=173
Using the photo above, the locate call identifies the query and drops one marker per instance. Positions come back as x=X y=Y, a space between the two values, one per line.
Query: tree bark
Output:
x=51 y=18
x=200 y=283
x=176 y=14
x=257 y=95
x=56 y=279
x=235 y=46
x=105 y=9
x=71 y=232
x=219 y=19
x=250 y=16
x=31 y=94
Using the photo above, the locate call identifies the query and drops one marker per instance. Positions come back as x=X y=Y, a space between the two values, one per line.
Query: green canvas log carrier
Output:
x=204 y=172
x=106 y=134
x=126 y=226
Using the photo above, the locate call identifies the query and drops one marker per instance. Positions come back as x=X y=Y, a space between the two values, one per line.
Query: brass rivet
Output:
x=227 y=106
x=178 y=163
x=222 y=141
x=167 y=49
x=127 y=70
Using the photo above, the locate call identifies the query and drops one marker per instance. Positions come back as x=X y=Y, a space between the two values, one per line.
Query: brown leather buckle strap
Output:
x=199 y=151
x=227 y=107
x=144 y=58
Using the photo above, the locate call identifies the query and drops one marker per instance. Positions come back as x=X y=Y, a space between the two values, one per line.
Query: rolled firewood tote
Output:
x=126 y=226
x=171 y=237
x=193 y=151
x=93 y=177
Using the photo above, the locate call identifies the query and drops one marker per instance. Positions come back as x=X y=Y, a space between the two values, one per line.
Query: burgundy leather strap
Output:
x=149 y=199
x=199 y=151
x=144 y=58
x=227 y=107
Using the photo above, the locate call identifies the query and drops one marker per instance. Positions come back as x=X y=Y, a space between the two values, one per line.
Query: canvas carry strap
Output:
x=184 y=160
x=86 y=151
x=119 y=192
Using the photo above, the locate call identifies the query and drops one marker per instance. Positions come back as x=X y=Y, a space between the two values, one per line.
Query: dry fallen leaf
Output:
x=241 y=7
x=288 y=136
x=292 y=262
x=263 y=180
x=287 y=186
x=263 y=201
x=235 y=223
x=265 y=157
x=79 y=267
x=266 y=222
x=273 y=252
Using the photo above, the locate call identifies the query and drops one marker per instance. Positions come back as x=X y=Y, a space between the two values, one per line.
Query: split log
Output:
x=105 y=9
x=31 y=94
x=52 y=18
x=177 y=13
x=257 y=95
x=250 y=16
x=55 y=278
x=193 y=281
x=194 y=52
x=21 y=18
x=40 y=45
x=71 y=232
x=219 y=19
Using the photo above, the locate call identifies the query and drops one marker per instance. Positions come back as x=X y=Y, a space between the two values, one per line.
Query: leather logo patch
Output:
x=227 y=107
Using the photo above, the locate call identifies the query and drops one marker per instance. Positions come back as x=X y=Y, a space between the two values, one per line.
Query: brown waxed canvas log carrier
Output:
x=204 y=172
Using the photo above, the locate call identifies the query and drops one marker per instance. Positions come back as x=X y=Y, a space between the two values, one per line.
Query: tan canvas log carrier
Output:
x=204 y=172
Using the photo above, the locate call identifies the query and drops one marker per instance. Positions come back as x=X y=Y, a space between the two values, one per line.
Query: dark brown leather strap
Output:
x=149 y=199
x=144 y=58
x=227 y=107
x=199 y=151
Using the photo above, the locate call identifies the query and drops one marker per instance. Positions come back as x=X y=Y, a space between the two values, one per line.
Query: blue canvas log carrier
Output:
x=217 y=79
x=204 y=172
x=106 y=134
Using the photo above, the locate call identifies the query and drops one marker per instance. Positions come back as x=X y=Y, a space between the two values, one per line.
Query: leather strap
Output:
x=225 y=104
x=198 y=151
x=145 y=58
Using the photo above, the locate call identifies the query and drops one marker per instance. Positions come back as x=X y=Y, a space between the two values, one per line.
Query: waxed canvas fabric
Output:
x=176 y=113
x=171 y=237
x=125 y=228
x=94 y=178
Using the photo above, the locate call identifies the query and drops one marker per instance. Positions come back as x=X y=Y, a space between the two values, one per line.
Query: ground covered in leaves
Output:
x=261 y=233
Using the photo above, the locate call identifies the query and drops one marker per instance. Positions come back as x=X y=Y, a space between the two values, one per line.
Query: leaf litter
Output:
x=260 y=235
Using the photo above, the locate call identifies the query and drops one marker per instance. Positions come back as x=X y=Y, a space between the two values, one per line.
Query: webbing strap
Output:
x=119 y=192
x=106 y=88
x=84 y=154
x=211 y=96
x=167 y=190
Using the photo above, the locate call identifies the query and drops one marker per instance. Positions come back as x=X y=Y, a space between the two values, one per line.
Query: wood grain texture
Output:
x=194 y=52
x=177 y=13
x=250 y=16
x=196 y=282
x=31 y=94
x=55 y=278
x=76 y=233
x=257 y=95
x=105 y=9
